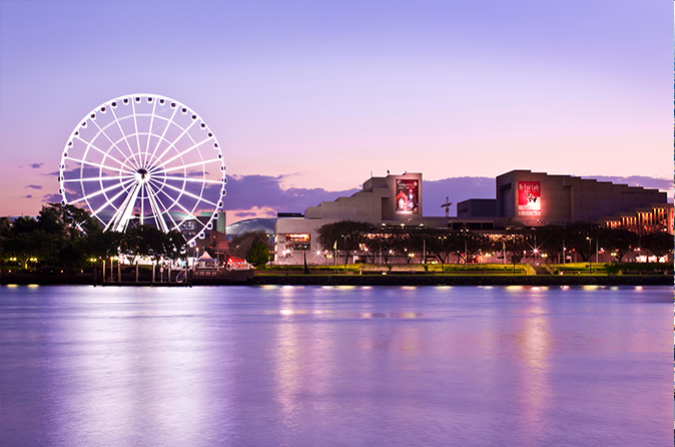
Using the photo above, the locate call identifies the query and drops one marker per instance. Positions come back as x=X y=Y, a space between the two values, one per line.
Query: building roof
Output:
x=265 y=224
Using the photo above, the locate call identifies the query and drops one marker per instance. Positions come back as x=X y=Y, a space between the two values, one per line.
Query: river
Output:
x=340 y=366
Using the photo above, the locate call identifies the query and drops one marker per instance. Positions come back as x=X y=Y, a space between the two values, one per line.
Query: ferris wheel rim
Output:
x=131 y=164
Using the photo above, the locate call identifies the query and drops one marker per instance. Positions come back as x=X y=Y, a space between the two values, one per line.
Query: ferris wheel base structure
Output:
x=145 y=159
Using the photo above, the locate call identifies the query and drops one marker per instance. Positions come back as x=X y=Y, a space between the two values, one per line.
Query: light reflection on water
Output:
x=313 y=366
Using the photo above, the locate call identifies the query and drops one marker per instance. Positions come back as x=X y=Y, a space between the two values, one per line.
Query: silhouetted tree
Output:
x=659 y=244
x=344 y=235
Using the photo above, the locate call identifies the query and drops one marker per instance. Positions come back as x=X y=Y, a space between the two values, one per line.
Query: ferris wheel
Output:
x=145 y=160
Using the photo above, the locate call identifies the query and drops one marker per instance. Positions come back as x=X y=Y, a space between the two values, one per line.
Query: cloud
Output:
x=197 y=174
x=51 y=198
x=27 y=197
x=35 y=165
x=639 y=180
x=34 y=186
x=259 y=191
x=245 y=192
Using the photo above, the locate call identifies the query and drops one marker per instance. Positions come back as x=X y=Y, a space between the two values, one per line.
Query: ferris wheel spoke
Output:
x=186 y=151
x=138 y=141
x=194 y=180
x=123 y=214
x=96 y=179
x=157 y=213
x=124 y=135
x=142 y=203
x=147 y=142
x=100 y=165
x=173 y=143
x=98 y=193
x=176 y=202
x=199 y=163
x=111 y=141
x=156 y=196
x=189 y=194
x=108 y=202
x=168 y=124
x=105 y=154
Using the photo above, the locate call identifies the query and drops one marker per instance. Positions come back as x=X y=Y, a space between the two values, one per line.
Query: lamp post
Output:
x=464 y=232
x=596 y=251
x=590 y=253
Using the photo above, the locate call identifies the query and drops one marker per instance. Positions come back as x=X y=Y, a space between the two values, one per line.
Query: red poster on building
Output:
x=529 y=199
x=407 y=197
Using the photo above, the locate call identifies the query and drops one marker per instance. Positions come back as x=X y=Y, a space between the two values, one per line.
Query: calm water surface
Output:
x=311 y=366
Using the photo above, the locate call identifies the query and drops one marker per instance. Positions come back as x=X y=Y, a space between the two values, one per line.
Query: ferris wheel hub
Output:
x=142 y=175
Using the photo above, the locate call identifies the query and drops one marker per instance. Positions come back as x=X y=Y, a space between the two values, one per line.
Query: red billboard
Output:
x=529 y=199
x=407 y=196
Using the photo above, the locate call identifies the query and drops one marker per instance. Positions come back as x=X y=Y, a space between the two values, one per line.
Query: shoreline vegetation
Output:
x=65 y=245
x=577 y=274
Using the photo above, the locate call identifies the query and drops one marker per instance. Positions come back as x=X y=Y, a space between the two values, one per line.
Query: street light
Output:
x=590 y=253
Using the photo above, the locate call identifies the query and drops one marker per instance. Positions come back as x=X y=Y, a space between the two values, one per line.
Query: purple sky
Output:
x=307 y=98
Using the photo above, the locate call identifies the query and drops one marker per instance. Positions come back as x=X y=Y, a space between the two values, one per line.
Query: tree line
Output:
x=369 y=241
x=65 y=236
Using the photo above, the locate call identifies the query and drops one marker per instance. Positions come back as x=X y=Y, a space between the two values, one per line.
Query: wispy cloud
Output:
x=27 y=197
x=51 y=198
x=638 y=180
x=34 y=186
x=246 y=192
x=35 y=165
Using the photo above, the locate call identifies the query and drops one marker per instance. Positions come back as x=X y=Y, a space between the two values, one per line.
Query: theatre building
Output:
x=522 y=199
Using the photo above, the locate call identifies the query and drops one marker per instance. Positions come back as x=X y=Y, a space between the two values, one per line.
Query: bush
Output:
x=258 y=254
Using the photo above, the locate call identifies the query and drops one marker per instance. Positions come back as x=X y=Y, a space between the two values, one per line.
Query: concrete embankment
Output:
x=360 y=280
x=437 y=280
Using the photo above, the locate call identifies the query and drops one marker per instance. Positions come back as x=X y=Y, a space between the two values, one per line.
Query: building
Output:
x=522 y=199
x=214 y=237
x=536 y=198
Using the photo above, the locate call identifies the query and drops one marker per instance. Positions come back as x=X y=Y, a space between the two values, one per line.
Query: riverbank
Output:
x=247 y=278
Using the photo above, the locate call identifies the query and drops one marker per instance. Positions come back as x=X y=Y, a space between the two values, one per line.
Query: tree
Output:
x=515 y=245
x=386 y=241
x=26 y=245
x=439 y=243
x=618 y=240
x=25 y=240
x=659 y=244
x=344 y=235
x=176 y=245
x=104 y=244
x=241 y=244
x=258 y=254
x=578 y=236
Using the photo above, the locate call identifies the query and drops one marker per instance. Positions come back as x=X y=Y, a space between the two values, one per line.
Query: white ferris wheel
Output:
x=145 y=159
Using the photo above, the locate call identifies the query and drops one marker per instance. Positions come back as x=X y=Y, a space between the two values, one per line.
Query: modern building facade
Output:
x=522 y=199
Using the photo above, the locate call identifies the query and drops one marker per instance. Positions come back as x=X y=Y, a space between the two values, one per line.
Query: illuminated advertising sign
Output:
x=298 y=241
x=529 y=199
x=407 y=196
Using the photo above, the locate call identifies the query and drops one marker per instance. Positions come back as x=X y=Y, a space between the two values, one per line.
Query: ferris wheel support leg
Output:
x=157 y=212
x=127 y=209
